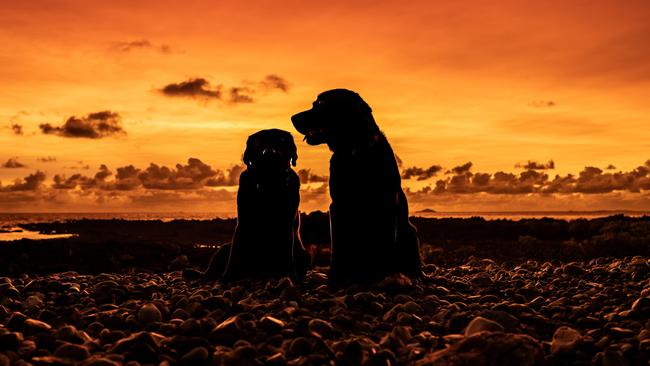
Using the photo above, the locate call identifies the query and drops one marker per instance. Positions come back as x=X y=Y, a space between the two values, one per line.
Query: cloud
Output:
x=306 y=176
x=610 y=167
x=47 y=159
x=591 y=180
x=93 y=126
x=190 y=176
x=273 y=81
x=533 y=165
x=140 y=44
x=240 y=95
x=542 y=103
x=421 y=173
x=192 y=88
x=461 y=169
x=31 y=182
x=103 y=173
x=228 y=179
x=200 y=88
x=17 y=129
x=13 y=163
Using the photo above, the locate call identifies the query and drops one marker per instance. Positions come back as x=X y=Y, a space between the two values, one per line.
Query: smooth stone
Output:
x=196 y=356
x=489 y=348
x=271 y=324
x=641 y=305
x=300 y=346
x=33 y=326
x=322 y=327
x=480 y=324
x=565 y=339
x=149 y=313
x=72 y=351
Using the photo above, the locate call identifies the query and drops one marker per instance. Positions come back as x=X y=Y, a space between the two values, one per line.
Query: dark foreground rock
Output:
x=478 y=313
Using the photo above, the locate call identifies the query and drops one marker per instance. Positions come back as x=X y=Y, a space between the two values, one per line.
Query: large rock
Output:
x=480 y=324
x=489 y=348
x=149 y=313
x=565 y=339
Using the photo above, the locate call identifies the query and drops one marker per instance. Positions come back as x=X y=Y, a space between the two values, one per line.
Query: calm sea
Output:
x=11 y=221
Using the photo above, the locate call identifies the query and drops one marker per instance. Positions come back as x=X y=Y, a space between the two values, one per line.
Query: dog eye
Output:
x=318 y=104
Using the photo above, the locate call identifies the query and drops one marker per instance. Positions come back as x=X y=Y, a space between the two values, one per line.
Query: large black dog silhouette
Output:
x=266 y=242
x=371 y=233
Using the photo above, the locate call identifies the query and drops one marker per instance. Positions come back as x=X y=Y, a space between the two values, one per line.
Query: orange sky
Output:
x=492 y=82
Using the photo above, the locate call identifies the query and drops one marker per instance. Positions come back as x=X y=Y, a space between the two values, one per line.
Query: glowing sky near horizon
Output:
x=494 y=83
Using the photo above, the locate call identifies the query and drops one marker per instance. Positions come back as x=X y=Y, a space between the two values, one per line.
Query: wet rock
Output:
x=613 y=358
x=480 y=324
x=72 y=351
x=271 y=325
x=322 y=327
x=149 y=313
x=300 y=347
x=141 y=346
x=565 y=340
x=489 y=348
x=573 y=269
x=642 y=305
x=33 y=327
x=197 y=356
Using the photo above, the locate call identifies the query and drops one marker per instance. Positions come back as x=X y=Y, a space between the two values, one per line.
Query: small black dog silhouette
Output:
x=371 y=233
x=266 y=243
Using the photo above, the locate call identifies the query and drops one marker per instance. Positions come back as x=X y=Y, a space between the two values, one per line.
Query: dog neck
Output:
x=355 y=147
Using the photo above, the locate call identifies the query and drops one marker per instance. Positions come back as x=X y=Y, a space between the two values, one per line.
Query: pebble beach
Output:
x=479 y=313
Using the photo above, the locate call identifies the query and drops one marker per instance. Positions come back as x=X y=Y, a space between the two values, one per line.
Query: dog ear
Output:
x=248 y=153
x=293 y=150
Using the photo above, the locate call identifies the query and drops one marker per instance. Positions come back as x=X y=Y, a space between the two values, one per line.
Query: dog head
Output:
x=338 y=118
x=270 y=151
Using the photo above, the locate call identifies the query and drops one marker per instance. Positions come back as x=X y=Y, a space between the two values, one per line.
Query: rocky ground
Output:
x=479 y=313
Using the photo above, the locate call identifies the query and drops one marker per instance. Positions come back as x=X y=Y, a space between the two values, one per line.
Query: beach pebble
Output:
x=565 y=339
x=489 y=348
x=33 y=326
x=72 y=351
x=322 y=327
x=149 y=313
x=480 y=324
x=197 y=356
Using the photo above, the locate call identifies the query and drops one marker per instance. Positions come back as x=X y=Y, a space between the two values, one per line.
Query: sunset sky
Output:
x=495 y=83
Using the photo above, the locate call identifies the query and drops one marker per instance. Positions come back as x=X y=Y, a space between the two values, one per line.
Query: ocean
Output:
x=10 y=222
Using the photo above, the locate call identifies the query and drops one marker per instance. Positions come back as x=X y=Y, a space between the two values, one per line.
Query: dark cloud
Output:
x=228 y=179
x=240 y=95
x=273 y=81
x=31 y=182
x=190 y=176
x=192 y=88
x=126 y=179
x=533 y=165
x=61 y=182
x=306 y=176
x=13 y=163
x=421 y=173
x=47 y=159
x=103 y=173
x=16 y=128
x=542 y=103
x=200 y=88
x=591 y=180
x=461 y=169
x=93 y=126
x=610 y=167
x=140 y=44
